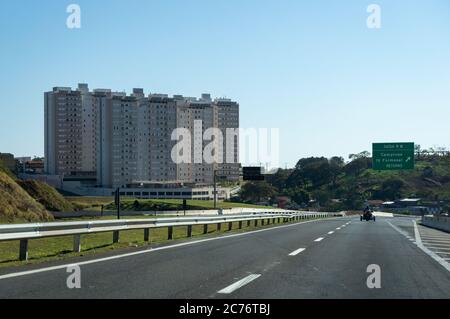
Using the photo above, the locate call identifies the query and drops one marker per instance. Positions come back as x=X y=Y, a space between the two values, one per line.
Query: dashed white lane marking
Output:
x=239 y=284
x=151 y=250
x=330 y=232
x=339 y=228
x=318 y=239
x=296 y=252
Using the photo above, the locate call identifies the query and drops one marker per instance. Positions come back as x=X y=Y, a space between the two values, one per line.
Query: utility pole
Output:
x=215 y=189
x=117 y=200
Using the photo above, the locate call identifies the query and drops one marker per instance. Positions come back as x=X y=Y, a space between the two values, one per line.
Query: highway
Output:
x=315 y=259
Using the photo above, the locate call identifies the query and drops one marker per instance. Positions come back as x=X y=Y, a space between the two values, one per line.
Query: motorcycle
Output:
x=367 y=216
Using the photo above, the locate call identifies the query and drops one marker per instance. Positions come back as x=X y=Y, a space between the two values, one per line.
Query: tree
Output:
x=363 y=154
x=336 y=165
x=298 y=195
x=257 y=191
x=279 y=179
x=391 y=189
x=357 y=166
x=321 y=196
x=427 y=172
x=311 y=170
x=417 y=150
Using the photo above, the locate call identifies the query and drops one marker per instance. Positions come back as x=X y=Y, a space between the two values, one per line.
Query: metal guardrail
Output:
x=25 y=232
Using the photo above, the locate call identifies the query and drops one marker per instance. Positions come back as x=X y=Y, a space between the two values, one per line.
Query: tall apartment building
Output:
x=63 y=131
x=124 y=139
x=226 y=116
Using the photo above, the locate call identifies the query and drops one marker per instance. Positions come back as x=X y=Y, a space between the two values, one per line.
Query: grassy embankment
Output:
x=128 y=204
x=16 y=205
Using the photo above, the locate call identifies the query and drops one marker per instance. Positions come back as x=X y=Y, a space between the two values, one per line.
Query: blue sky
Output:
x=311 y=68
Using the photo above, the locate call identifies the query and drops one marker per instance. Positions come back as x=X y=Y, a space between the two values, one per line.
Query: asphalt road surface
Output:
x=317 y=259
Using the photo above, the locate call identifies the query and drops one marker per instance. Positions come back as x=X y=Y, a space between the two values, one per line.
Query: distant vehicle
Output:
x=367 y=214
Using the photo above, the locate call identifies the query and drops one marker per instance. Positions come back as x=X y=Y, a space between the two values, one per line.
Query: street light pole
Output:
x=215 y=189
x=117 y=200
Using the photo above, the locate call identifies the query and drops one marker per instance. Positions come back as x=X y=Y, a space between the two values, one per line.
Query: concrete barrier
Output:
x=438 y=222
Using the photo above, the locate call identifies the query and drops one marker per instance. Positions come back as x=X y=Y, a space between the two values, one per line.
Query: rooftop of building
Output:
x=139 y=93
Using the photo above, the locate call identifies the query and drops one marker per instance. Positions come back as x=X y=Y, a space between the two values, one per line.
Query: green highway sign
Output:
x=392 y=156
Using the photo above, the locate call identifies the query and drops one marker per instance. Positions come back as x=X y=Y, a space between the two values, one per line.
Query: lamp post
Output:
x=215 y=189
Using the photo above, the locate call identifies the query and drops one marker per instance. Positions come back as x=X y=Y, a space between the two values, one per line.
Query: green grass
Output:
x=128 y=204
x=46 y=195
x=90 y=203
x=57 y=248
x=16 y=205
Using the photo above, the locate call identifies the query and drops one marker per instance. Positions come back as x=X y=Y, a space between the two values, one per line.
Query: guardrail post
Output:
x=219 y=226
x=115 y=236
x=240 y=224
x=146 y=234
x=279 y=220
x=248 y=223
x=262 y=222
x=170 y=232
x=189 y=231
x=205 y=229
x=23 y=252
x=76 y=243
x=256 y=223
x=230 y=226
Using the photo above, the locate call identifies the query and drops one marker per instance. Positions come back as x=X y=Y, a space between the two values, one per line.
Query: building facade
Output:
x=117 y=139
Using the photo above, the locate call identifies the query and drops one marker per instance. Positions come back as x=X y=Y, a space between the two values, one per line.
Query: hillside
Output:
x=46 y=195
x=334 y=184
x=16 y=205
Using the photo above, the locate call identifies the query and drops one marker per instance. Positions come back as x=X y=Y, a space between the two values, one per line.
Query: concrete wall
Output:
x=438 y=222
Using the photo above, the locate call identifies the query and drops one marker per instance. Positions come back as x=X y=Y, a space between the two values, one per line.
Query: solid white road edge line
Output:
x=296 y=252
x=239 y=284
x=145 y=251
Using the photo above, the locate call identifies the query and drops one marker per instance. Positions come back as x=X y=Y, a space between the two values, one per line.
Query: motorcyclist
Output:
x=367 y=214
